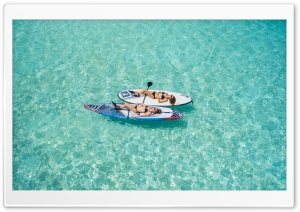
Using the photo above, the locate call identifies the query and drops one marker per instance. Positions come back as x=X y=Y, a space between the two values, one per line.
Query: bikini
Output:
x=162 y=95
x=153 y=93
x=146 y=109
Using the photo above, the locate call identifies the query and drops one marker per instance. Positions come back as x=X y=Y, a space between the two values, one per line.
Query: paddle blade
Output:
x=149 y=84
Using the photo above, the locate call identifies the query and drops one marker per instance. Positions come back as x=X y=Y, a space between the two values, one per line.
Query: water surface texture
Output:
x=232 y=138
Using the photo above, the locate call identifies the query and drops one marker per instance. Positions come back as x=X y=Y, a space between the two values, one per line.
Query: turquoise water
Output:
x=232 y=138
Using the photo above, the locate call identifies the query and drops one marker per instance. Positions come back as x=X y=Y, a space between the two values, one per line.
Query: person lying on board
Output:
x=139 y=108
x=160 y=96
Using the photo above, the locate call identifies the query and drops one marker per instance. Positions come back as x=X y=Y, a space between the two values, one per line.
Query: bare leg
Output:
x=146 y=92
x=128 y=106
x=139 y=92
x=121 y=106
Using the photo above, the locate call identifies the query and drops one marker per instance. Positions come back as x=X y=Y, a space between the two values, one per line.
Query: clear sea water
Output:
x=232 y=138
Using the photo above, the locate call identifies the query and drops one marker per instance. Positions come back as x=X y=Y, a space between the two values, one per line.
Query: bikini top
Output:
x=146 y=108
x=162 y=95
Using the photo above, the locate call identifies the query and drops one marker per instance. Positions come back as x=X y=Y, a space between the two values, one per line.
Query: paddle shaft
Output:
x=149 y=84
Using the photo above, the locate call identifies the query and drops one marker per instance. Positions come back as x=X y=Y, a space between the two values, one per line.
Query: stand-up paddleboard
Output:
x=109 y=110
x=130 y=97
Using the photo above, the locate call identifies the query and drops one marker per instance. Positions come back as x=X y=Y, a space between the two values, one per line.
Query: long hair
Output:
x=172 y=100
x=158 y=111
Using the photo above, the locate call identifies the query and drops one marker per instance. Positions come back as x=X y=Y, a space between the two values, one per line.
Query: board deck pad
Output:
x=130 y=97
x=109 y=110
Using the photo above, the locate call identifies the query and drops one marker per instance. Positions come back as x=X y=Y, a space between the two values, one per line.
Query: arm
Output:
x=145 y=114
x=162 y=100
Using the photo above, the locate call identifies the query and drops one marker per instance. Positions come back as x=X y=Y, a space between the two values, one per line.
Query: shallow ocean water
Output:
x=233 y=137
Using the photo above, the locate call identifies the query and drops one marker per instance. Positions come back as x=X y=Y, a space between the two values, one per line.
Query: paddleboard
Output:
x=109 y=110
x=130 y=97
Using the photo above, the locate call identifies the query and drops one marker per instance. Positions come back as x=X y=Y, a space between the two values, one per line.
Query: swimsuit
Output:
x=153 y=93
x=162 y=95
x=146 y=109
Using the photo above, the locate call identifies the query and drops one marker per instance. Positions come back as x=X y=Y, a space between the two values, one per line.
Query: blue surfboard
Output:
x=109 y=110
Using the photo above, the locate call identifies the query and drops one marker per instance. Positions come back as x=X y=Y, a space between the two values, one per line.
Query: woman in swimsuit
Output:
x=160 y=96
x=139 y=108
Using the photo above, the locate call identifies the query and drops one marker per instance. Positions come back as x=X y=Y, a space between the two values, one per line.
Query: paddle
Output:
x=148 y=84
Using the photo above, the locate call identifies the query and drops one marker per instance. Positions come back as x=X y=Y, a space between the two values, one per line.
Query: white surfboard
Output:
x=128 y=96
